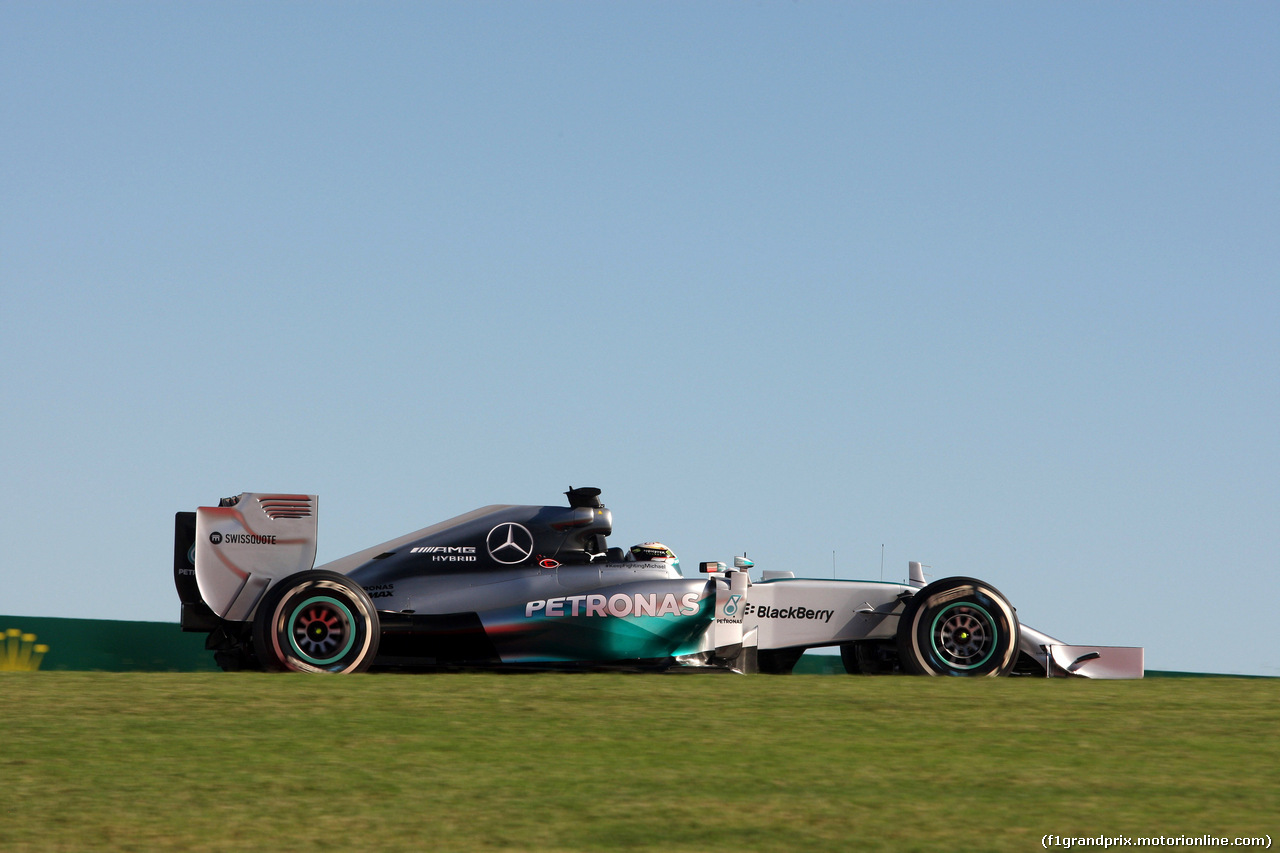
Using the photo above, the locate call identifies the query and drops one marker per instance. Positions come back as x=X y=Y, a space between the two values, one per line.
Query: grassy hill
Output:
x=195 y=761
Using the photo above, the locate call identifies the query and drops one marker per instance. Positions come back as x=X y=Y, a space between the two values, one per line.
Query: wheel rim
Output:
x=964 y=635
x=321 y=631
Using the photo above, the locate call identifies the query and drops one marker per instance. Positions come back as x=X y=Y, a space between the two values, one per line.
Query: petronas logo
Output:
x=19 y=652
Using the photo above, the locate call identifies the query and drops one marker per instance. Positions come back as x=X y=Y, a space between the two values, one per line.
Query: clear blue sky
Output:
x=995 y=286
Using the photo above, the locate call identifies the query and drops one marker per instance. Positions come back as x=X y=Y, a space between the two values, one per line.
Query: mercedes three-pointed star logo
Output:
x=510 y=543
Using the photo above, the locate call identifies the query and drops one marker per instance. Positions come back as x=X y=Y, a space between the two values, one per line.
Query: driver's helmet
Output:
x=656 y=551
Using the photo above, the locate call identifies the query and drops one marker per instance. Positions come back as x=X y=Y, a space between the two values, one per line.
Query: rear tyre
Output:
x=316 y=621
x=958 y=626
x=235 y=661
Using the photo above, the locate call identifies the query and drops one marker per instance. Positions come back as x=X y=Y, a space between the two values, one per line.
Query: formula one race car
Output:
x=538 y=587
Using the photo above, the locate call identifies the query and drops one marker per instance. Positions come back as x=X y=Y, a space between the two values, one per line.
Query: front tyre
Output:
x=958 y=626
x=777 y=661
x=868 y=657
x=316 y=621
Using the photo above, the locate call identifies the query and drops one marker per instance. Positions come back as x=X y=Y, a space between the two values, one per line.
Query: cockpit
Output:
x=590 y=524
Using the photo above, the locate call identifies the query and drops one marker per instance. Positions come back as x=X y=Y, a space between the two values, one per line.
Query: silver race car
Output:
x=510 y=586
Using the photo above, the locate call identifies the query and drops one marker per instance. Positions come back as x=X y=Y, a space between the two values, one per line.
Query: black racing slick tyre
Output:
x=316 y=621
x=958 y=626
x=849 y=657
x=867 y=657
x=777 y=661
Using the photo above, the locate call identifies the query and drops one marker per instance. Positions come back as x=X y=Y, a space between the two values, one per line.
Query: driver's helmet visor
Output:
x=656 y=551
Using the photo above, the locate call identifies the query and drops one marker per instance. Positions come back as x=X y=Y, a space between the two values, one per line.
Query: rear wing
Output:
x=238 y=548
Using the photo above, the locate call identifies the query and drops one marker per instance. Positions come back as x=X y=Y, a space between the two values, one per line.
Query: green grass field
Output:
x=627 y=762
